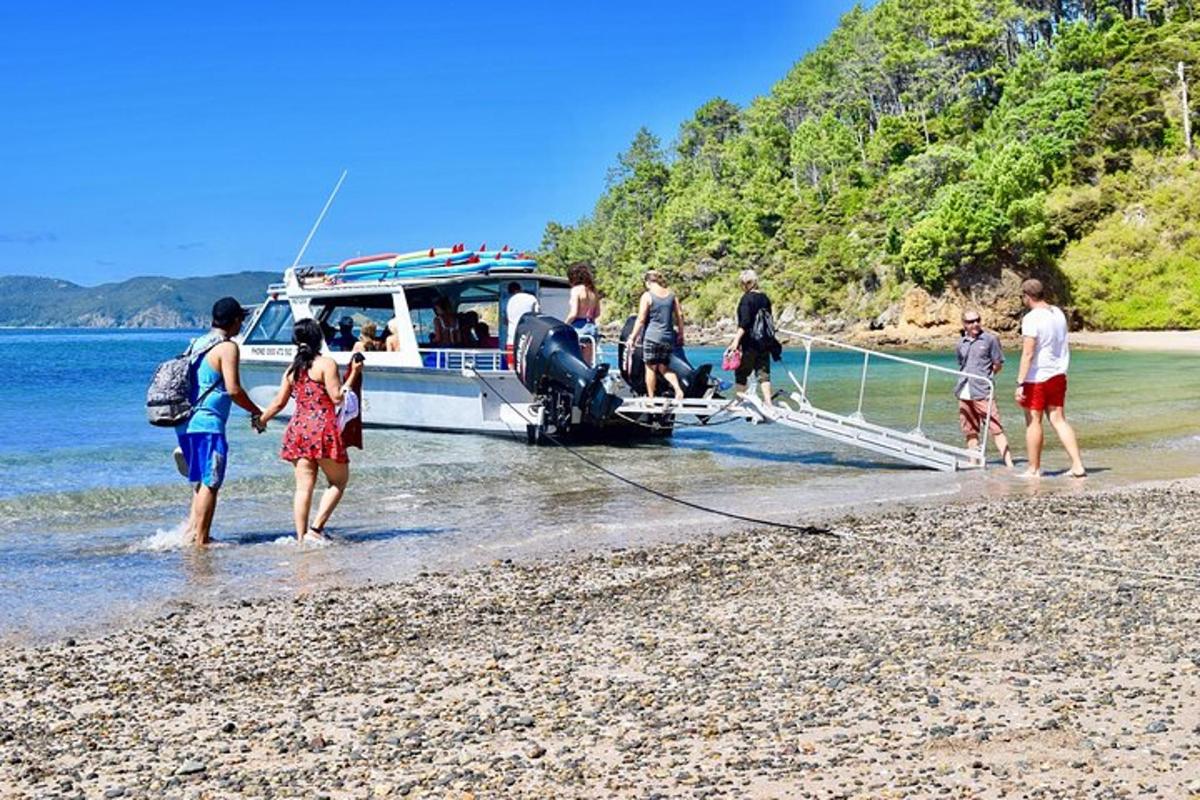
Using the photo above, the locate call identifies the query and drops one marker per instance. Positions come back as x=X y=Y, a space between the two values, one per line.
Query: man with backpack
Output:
x=215 y=385
x=754 y=344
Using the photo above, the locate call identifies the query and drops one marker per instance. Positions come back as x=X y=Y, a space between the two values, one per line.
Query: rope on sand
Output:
x=813 y=530
x=806 y=530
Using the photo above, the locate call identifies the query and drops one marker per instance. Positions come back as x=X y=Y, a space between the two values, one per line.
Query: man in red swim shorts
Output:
x=1042 y=378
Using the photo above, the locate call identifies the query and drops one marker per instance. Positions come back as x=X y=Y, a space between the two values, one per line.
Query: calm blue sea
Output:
x=91 y=505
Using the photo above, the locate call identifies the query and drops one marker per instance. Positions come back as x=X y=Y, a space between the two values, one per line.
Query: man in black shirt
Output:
x=755 y=353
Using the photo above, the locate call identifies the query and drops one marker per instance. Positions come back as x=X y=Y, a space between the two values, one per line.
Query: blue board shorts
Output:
x=206 y=455
x=586 y=327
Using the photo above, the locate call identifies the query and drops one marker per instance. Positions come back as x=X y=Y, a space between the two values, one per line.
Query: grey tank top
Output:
x=660 y=321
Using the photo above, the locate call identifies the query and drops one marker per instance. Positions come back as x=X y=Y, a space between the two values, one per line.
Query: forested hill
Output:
x=150 y=302
x=930 y=153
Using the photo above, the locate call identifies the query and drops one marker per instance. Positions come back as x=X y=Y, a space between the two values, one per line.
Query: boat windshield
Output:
x=273 y=326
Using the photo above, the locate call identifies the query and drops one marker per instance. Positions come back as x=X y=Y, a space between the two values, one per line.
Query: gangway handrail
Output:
x=810 y=340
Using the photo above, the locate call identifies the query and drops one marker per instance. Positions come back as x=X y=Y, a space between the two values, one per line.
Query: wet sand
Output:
x=959 y=650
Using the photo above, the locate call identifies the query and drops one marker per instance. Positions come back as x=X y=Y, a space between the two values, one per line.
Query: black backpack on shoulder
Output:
x=763 y=332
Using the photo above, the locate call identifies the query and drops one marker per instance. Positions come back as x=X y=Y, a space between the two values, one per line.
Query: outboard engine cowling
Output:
x=694 y=380
x=550 y=365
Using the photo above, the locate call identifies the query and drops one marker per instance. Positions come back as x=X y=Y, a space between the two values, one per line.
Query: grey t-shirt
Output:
x=977 y=356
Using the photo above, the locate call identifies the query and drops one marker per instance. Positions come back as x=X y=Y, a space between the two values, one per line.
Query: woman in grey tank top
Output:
x=660 y=317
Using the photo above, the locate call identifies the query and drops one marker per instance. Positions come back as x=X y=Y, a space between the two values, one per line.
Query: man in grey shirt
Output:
x=979 y=353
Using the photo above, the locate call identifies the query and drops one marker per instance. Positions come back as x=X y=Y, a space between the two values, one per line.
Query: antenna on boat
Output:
x=320 y=217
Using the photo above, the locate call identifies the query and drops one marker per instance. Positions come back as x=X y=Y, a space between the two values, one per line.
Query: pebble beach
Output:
x=1027 y=647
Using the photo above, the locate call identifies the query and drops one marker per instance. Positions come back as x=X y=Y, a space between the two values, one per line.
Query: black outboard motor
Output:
x=550 y=365
x=695 y=381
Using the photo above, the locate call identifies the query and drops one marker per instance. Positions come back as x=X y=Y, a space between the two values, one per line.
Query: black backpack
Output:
x=167 y=403
x=763 y=332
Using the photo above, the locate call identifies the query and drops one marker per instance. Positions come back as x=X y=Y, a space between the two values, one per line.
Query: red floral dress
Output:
x=313 y=430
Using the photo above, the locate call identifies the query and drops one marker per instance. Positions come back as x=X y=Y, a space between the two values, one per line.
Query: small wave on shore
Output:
x=165 y=539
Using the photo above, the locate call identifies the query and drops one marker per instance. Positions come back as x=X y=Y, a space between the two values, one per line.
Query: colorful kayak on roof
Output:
x=436 y=262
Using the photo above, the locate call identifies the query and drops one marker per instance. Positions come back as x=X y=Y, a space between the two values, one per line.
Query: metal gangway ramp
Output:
x=912 y=445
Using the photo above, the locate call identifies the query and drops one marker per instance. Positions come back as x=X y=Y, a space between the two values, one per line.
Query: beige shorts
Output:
x=971 y=414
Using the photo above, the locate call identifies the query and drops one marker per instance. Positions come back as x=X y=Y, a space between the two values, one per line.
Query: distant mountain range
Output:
x=151 y=302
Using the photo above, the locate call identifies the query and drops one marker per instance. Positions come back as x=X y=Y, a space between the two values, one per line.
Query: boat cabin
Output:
x=478 y=303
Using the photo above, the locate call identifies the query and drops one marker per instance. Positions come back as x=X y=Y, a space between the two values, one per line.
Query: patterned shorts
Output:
x=657 y=352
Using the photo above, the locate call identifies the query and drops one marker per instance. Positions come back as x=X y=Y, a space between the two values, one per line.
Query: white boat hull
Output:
x=416 y=397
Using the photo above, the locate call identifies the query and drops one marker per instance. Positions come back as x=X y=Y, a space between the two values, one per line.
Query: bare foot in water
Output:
x=1030 y=474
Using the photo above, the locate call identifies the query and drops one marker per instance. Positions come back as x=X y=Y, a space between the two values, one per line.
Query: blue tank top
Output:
x=213 y=411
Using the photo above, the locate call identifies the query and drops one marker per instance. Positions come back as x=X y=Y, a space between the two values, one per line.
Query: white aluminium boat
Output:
x=421 y=385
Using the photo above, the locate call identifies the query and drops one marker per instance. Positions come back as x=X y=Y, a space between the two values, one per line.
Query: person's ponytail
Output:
x=307 y=337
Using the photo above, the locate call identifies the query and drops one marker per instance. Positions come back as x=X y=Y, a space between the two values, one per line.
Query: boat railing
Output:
x=456 y=360
x=811 y=342
x=594 y=341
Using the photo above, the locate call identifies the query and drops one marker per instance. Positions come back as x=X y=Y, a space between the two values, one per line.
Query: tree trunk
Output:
x=1187 y=111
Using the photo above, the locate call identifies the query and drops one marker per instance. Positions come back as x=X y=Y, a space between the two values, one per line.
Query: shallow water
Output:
x=91 y=506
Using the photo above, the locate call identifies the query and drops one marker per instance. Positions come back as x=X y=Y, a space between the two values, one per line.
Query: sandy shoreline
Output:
x=759 y=664
x=1161 y=341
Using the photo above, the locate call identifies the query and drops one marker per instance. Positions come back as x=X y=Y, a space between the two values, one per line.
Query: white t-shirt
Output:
x=519 y=305
x=1051 y=355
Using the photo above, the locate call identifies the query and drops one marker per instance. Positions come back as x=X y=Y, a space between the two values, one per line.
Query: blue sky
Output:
x=197 y=138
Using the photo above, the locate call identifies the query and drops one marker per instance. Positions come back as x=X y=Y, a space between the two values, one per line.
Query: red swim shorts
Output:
x=1043 y=394
x=971 y=414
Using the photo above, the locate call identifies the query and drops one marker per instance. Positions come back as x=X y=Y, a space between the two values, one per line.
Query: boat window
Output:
x=422 y=322
x=274 y=325
x=477 y=303
x=554 y=300
x=377 y=309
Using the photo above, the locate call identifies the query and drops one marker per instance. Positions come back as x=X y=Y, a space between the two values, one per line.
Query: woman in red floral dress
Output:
x=312 y=440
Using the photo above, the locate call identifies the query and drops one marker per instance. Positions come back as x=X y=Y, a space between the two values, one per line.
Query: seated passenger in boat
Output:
x=483 y=335
x=343 y=340
x=446 y=331
x=391 y=342
x=467 y=322
x=367 y=339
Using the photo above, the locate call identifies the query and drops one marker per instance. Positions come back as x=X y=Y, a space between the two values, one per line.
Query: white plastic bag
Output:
x=348 y=410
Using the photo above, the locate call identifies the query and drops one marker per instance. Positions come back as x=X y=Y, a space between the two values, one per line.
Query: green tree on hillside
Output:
x=923 y=143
